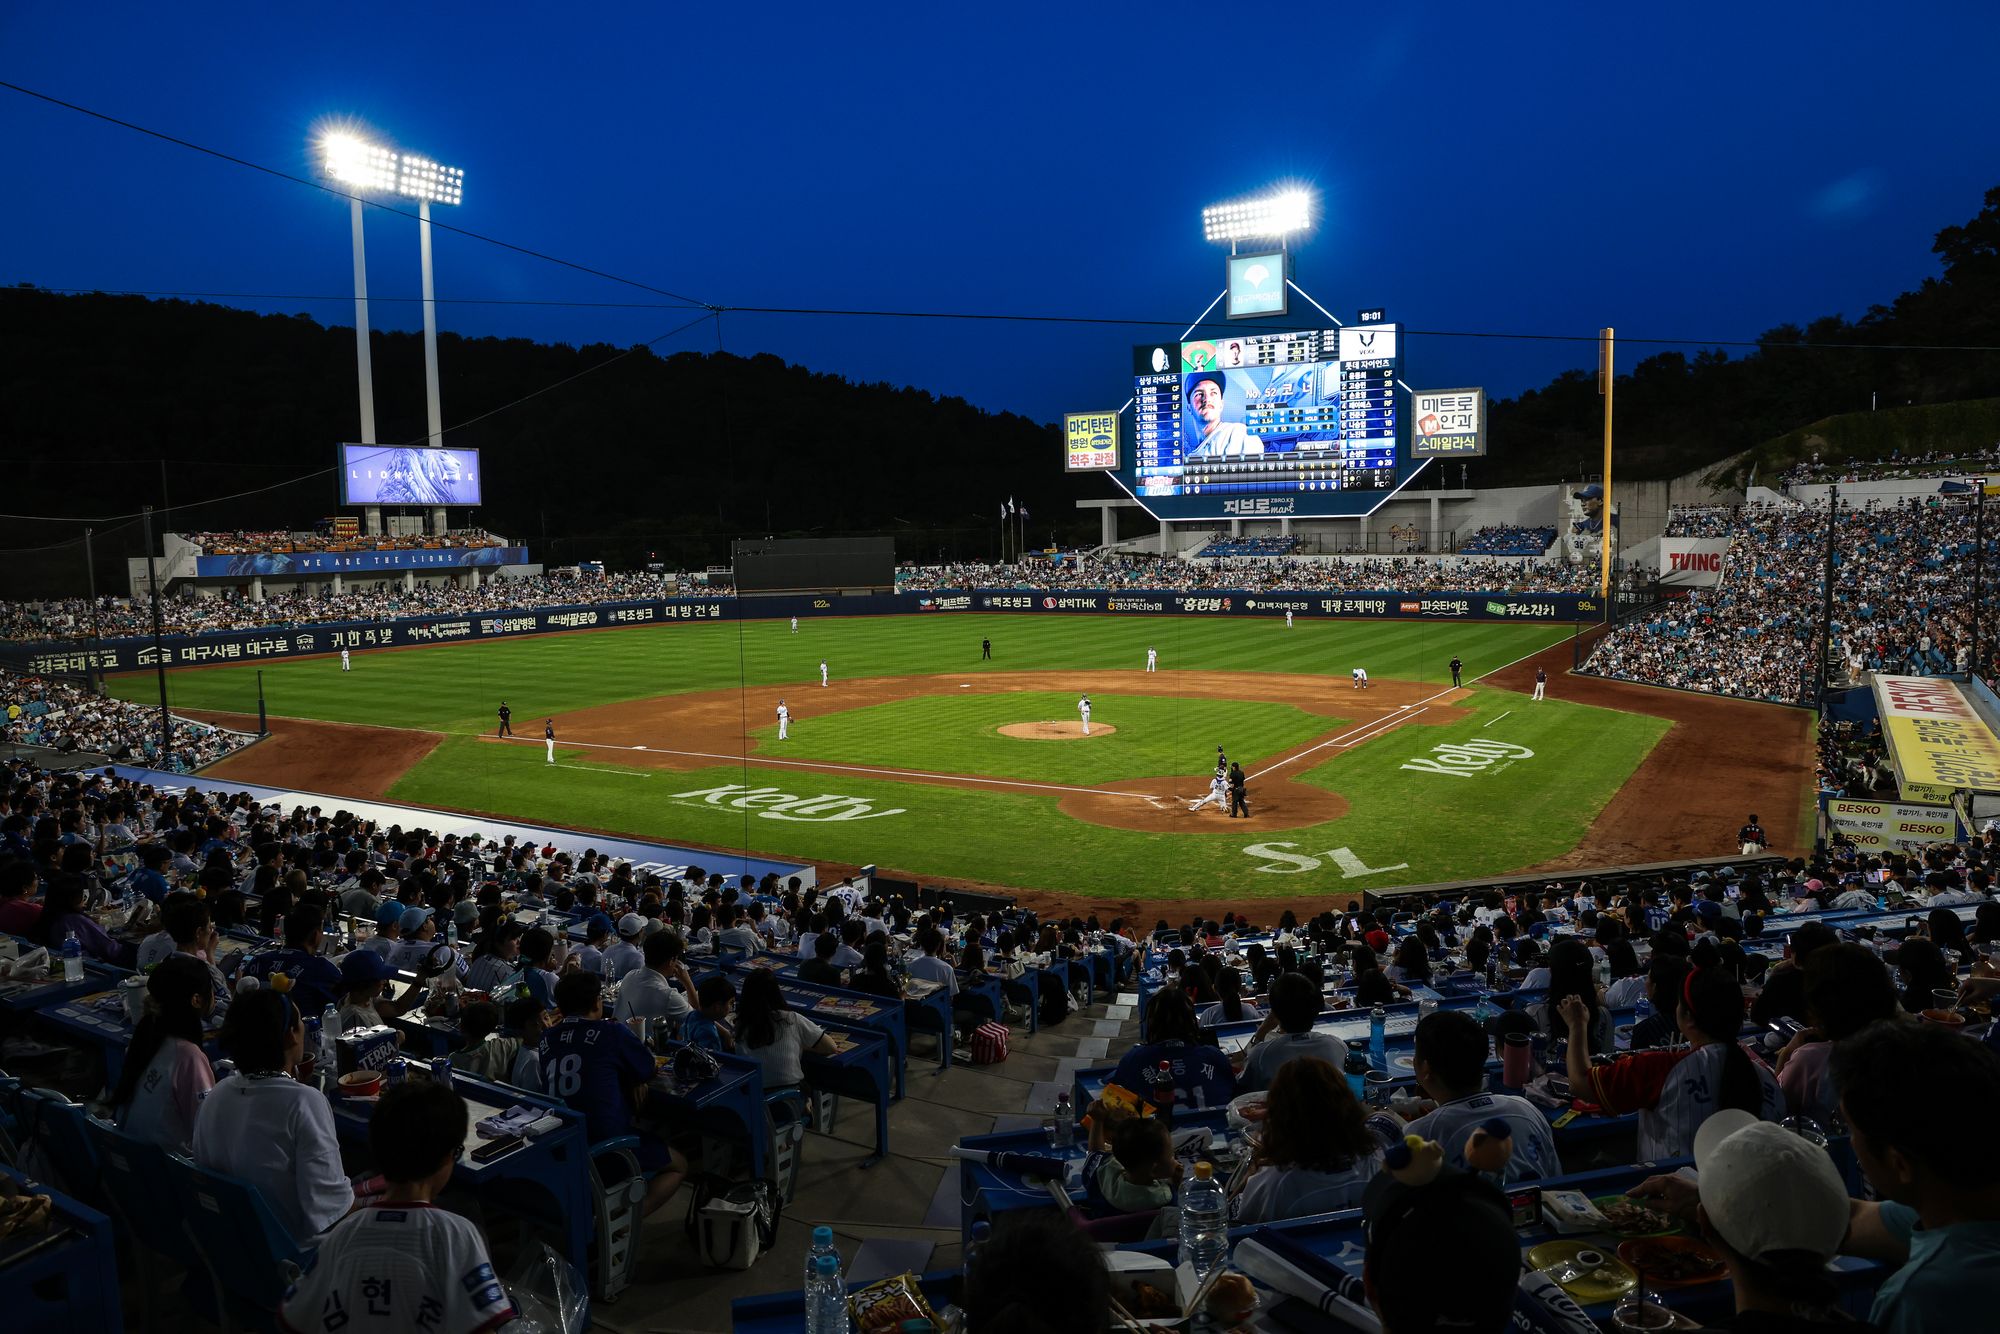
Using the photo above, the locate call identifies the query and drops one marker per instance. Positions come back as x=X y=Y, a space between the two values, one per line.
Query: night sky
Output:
x=1694 y=171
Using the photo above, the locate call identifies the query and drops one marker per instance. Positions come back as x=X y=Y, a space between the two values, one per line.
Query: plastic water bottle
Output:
x=1643 y=1010
x=981 y=1230
x=1204 y=1222
x=1065 y=1120
x=1378 y=1038
x=1163 y=1092
x=72 y=957
x=1493 y=968
x=451 y=933
x=826 y=1300
x=822 y=1244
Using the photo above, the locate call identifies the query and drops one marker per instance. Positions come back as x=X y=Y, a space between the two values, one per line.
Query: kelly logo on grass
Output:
x=772 y=804
x=1463 y=759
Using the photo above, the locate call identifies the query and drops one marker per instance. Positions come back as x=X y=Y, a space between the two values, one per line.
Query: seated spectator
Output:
x=408 y=1264
x=1317 y=1153
x=1923 y=970
x=1230 y=1007
x=1411 y=1228
x=1173 y=1063
x=874 y=977
x=820 y=970
x=930 y=966
x=1572 y=972
x=496 y=954
x=1784 y=993
x=1070 y=1292
x=364 y=975
x=1132 y=1169
x=770 y=1032
x=263 y=1127
x=166 y=1075
x=708 y=1027
x=312 y=981
x=659 y=990
x=533 y=977
x=1675 y=1091
x=63 y=915
x=623 y=957
x=19 y=909
x=1451 y=1068
x=595 y=1066
x=1287 y=1034
x=1665 y=976
x=1846 y=989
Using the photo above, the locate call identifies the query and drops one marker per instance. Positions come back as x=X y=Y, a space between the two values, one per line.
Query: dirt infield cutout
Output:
x=1057 y=731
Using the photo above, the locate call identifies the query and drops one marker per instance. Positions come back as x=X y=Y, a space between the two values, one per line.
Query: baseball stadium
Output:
x=979 y=781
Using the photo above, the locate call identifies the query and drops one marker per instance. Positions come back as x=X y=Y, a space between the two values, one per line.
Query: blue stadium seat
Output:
x=250 y=1258
x=139 y=1193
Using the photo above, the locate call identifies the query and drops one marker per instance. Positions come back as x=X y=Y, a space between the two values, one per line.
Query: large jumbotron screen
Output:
x=1301 y=423
x=408 y=475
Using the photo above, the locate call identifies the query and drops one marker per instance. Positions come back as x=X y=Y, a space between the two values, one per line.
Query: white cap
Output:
x=1767 y=1189
x=631 y=924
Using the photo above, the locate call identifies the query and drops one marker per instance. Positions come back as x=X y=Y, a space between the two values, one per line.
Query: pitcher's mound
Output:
x=1054 y=731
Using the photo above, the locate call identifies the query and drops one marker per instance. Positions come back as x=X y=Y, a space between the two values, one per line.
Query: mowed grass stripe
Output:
x=457 y=687
x=958 y=733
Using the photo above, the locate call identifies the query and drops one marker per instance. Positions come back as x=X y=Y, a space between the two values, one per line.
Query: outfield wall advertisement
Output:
x=237 y=647
x=1938 y=743
x=1693 y=562
x=1881 y=826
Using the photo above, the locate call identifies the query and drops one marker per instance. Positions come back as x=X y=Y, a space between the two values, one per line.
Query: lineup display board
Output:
x=1266 y=424
x=1448 y=424
x=408 y=475
x=1090 y=441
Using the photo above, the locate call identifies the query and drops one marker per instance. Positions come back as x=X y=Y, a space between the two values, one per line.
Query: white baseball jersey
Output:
x=1360 y=673
x=784 y=714
x=1288 y=620
x=795 y=625
x=1152 y=656
x=343 y=657
x=822 y=673
x=1083 y=707
x=1452 y=1124
x=399 y=1266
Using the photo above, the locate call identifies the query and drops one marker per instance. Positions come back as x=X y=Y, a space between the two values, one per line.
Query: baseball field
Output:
x=932 y=762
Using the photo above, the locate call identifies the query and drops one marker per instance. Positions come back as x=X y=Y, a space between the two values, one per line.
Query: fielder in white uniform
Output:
x=1218 y=794
x=1360 y=678
x=549 y=738
x=1152 y=660
x=1083 y=707
x=1541 y=682
x=1288 y=618
x=784 y=719
x=822 y=673
x=795 y=625
x=345 y=665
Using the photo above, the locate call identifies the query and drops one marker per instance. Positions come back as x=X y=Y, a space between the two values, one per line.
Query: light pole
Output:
x=362 y=166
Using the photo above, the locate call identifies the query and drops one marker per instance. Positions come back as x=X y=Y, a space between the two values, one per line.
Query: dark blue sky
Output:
x=1689 y=172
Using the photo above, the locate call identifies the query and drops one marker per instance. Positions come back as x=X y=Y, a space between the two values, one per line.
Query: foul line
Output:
x=815 y=764
x=1377 y=727
x=1486 y=725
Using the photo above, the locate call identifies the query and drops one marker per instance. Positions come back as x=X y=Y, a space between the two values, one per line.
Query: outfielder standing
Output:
x=795 y=625
x=1152 y=660
x=784 y=720
x=1541 y=682
x=1288 y=618
x=1083 y=708
x=345 y=665
x=506 y=728
x=549 y=737
x=822 y=673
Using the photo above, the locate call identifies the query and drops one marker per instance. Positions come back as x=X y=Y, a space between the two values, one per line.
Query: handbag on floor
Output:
x=989 y=1043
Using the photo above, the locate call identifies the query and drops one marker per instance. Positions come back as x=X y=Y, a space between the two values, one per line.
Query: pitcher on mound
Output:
x=1083 y=710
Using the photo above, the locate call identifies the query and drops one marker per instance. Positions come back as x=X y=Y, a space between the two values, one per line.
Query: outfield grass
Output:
x=957 y=733
x=1402 y=825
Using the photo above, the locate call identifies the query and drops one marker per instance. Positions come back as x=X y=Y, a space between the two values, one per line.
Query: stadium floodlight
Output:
x=371 y=168
x=1273 y=217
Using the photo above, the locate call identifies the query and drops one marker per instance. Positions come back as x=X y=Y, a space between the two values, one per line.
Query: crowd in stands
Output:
x=1759 y=1054
x=1902 y=599
x=70 y=619
x=1897 y=467
x=1225 y=546
x=246 y=543
x=1439 y=574
x=66 y=717
x=1508 y=540
x=1853 y=758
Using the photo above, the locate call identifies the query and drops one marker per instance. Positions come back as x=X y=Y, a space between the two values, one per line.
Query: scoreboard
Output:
x=1278 y=423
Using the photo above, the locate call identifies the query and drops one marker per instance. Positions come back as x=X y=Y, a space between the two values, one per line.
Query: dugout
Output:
x=840 y=565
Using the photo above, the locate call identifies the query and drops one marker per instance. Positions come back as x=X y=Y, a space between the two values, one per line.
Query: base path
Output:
x=1722 y=760
x=343 y=758
x=699 y=730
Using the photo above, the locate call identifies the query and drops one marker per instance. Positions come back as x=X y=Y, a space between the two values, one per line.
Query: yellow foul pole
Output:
x=1606 y=373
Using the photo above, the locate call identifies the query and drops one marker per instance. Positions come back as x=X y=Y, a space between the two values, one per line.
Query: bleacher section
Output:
x=1504 y=540
x=1223 y=547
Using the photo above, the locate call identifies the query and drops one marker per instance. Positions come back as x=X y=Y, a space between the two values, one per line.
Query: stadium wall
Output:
x=236 y=647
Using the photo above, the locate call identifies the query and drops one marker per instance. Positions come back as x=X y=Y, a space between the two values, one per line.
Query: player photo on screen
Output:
x=1263 y=410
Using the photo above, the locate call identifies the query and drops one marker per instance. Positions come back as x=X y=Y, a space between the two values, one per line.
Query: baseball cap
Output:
x=631 y=924
x=389 y=913
x=1815 y=885
x=413 y=919
x=358 y=966
x=1766 y=1189
x=1409 y=1227
x=598 y=925
x=466 y=913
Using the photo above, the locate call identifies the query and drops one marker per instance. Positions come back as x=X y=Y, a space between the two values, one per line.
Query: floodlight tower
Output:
x=362 y=166
x=1270 y=217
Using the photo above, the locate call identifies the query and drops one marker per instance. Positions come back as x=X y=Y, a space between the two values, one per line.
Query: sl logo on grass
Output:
x=1462 y=759
x=772 y=804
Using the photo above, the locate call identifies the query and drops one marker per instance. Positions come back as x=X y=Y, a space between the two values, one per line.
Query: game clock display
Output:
x=1266 y=414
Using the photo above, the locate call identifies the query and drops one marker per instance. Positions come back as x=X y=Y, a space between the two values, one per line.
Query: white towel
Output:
x=1267 y=1267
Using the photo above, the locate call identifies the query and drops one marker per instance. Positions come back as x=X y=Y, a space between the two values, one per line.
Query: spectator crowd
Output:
x=248 y=543
x=1413 y=574
x=66 y=717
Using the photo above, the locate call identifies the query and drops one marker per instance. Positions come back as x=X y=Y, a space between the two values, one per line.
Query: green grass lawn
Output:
x=1403 y=825
x=958 y=733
